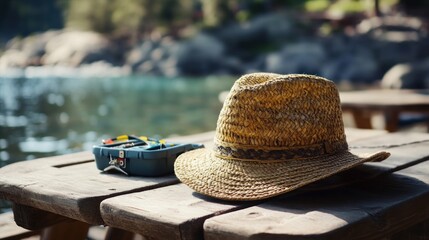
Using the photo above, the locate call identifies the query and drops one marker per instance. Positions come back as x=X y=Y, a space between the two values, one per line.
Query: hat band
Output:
x=299 y=152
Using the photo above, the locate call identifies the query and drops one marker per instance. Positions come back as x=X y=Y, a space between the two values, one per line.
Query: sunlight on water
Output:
x=50 y=116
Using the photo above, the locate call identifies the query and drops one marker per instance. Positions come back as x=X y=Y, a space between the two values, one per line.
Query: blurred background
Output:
x=73 y=72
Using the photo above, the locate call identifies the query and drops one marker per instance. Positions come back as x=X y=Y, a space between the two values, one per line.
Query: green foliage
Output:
x=317 y=5
x=91 y=15
x=345 y=6
x=350 y=6
x=110 y=16
x=131 y=15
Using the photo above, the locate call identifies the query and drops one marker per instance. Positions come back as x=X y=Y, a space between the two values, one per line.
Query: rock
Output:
x=73 y=48
x=200 y=56
x=139 y=54
x=27 y=51
x=407 y=76
x=145 y=67
x=382 y=25
x=103 y=69
x=337 y=44
x=156 y=56
x=34 y=46
x=13 y=58
x=169 y=67
x=423 y=46
x=271 y=42
x=233 y=65
x=394 y=39
x=274 y=62
x=269 y=28
x=247 y=41
x=301 y=57
x=390 y=53
x=393 y=78
x=356 y=65
x=256 y=65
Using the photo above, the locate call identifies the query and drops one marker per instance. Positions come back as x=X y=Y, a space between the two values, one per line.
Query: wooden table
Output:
x=391 y=103
x=67 y=194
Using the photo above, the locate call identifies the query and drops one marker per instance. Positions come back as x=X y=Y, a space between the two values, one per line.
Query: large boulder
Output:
x=300 y=57
x=74 y=48
x=23 y=52
x=155 y=56
x=407 y=76
x=395 y=39
x=13 y=58
x=264 y=29
x=139 y=54
x=200 y=55
x=356 y=65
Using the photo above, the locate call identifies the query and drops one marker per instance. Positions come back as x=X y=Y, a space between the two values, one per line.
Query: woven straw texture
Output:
x=275 y=133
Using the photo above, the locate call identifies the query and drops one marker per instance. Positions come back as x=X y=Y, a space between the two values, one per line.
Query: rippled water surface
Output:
x=50 y=116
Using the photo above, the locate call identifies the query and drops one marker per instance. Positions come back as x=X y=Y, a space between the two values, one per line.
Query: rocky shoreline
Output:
x=392 y=49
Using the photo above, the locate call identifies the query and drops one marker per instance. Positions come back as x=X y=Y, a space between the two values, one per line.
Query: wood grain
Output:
x=172 y=212
x=391 y=103
x=34 y=218
x=403 y=146
x=160 y=208
x=74 y=191
x=362 y=211
x=386 y=98
x=371 y=209
x=176 y=212
x=72 y=186
x=9 y=230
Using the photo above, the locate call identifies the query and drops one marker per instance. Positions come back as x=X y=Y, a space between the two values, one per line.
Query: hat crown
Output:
x=275 y=133
x=278 y=115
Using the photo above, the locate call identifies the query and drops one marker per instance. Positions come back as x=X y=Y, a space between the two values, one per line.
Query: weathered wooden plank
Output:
x=404 y=147
x=9 y=230
x=363 y=211
x=35 y=219
x=363 y=103
x=172 y=212
x=74 y=191
x=373 y=209
x=156 y=213
x=392 y=139
x=71 y=185
x=71 y=230
x=355 y=134
x=176 y=212
x=385 y=98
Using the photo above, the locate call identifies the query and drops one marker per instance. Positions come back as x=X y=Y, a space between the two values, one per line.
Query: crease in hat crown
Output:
x=272 y=117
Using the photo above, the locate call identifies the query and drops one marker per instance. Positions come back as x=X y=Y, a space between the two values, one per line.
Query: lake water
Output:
x=50 y=116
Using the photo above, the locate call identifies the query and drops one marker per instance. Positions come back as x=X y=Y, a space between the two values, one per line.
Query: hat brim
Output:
x=202 y=171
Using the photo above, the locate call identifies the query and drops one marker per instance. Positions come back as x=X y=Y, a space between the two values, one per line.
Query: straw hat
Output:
x=275 y=133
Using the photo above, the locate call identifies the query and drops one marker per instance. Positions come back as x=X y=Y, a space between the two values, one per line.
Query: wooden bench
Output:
x=67 y=194
x=62 y=194
x=10 y=231
x=371 y=209
x=391 y=103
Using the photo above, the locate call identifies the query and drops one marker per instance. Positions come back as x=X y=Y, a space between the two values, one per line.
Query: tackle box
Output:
x=137 y=157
